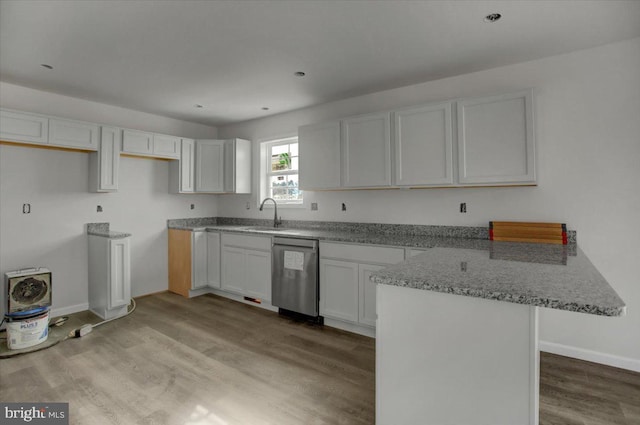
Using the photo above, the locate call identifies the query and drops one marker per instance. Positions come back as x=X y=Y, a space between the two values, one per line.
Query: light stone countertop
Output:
x=533 y=274
x=102 y=230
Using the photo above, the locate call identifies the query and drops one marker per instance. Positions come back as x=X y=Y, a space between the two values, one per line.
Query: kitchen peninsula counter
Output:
x=457 y=330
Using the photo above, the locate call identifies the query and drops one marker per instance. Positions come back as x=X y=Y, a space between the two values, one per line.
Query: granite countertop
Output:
x=102 y=229
x=534 y=274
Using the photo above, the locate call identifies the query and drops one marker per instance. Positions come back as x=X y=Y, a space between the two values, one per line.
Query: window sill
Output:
x=269 y=206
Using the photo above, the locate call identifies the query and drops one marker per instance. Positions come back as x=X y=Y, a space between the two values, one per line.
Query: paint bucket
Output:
x=23 y=332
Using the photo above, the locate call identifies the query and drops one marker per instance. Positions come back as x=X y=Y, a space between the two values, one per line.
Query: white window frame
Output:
x=266 y=173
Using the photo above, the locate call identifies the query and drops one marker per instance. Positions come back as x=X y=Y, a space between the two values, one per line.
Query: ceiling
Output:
x=236 y=57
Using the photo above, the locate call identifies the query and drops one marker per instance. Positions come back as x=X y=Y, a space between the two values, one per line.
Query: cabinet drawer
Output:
x=251 y=242
x=362 y=253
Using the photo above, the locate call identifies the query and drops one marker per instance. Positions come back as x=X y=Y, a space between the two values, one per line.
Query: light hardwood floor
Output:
x=210 y=360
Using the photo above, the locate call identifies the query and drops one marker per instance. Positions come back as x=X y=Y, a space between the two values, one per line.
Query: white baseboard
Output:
x=590 y=356
x=63 y=311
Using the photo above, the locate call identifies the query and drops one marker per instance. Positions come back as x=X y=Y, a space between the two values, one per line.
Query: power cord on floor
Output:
x=76 y=333
x=88 y=327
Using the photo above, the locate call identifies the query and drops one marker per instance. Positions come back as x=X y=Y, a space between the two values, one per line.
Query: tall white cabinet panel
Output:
x=367 y=291
x=339 y=289
x=137 y=142
x=496 y=140
x=166 y=146
x=120 y=271
x=213 y=259
x=209 y=166
x=424 y=146
x=109 y=276
x=320 y=157
x=237 y=166
x=182 y=172
x=73 y=134
x=199 y=260
x=366 y=151
x=104 y=164
x=233 y=264
x=258 y=274
x=23 y=127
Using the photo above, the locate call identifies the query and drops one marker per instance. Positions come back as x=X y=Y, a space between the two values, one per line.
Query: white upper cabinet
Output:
x=209 y=169
x=23 y=127
x=237 y=166
x=424 y=146
x=182 y=172
x=221 y=166
x=496 y=140
x=166 y=146
x=143 y=143
x=137 y=142
x=320 y=156
x=104 y=164
x=73 y=134
x=366 y=151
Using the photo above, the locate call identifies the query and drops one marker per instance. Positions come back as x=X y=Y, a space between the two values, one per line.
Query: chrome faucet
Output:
x=276 y=221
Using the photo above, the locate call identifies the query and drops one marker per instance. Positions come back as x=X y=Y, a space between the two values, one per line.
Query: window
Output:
x=281 y=176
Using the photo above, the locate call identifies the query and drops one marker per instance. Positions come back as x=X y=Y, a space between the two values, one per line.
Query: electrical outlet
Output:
x=463 y=207
x=463 y=266
x=248 y=205
x=99 y=208
x=26 y=208
x=314 y=206
x=344 y=207
x=193 y=206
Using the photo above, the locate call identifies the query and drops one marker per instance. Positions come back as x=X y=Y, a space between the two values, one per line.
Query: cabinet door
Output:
x=137 y=142
x=73 y=134
x=198 y=260
x=21 y=127
x=187 y=165
x=367 y=291
x=119 y=273
x=213 y=259
x=108 y=159
x=166 y=146
x=366 y=151
x=258 y=274
x=319 y=146
x=424 y=146
x=339 y=290
x=496 y=140
x=233 y=269
x=209 y=165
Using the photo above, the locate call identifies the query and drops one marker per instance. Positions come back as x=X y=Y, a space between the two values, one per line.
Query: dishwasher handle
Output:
x=300 y=243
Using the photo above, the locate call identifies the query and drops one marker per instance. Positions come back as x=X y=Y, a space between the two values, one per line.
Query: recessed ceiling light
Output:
x=44 y=65
x=299 y=74
x=493 y=17
x=198 y=106
x=264 y=108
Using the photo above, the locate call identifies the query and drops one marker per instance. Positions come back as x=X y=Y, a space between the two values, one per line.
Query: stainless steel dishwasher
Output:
x=294 y=284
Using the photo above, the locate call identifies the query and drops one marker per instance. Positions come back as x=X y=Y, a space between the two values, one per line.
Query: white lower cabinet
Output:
x=339 y=290
x=213 y=259
x=246 y=265
x=345 y=290
x=199 y=278
x=109 y=276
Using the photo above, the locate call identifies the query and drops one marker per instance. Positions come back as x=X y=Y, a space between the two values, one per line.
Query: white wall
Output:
x=55 y=183
x=588 y=139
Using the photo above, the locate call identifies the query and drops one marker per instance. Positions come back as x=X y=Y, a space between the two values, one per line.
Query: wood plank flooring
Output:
x=210 y=360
